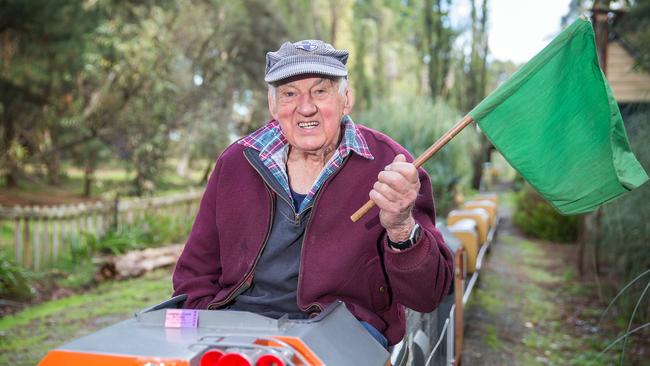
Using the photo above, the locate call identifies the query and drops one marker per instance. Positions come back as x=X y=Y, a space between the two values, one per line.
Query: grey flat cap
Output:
x=305 y=57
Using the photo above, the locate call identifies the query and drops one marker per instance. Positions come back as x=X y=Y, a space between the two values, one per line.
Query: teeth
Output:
x=309 y=124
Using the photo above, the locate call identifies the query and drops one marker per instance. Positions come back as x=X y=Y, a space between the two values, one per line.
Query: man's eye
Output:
x=288 y=94
x=320 y=91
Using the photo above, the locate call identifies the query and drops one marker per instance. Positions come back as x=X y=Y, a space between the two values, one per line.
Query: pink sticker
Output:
x=181 y=318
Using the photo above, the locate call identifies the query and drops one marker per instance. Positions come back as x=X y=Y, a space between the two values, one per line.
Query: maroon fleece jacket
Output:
x=340 y=259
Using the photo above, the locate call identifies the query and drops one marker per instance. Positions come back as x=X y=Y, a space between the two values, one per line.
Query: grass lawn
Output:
x=527 y=311
x=26 y=336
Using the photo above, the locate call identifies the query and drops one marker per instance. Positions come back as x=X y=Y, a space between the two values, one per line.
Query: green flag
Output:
x=557 y=123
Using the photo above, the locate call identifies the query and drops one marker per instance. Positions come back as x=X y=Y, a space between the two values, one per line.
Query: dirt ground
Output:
x=531 y=308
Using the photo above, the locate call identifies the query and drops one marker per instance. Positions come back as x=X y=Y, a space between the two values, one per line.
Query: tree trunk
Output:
x=598 y=218
x=380 y=77
x=315 y=21
x=138 y=182
x=53 y=160
x=137 y=263
x=601 y=28
x=484 y=40
x=183 y=163
x=206 y=173
x=334 y=12
x=364 y=94
x=442 y=50
x=599 y=18
x=481 y=157
x=582 y=240
x=444 y=63
x=472 y=86
x=478 y=56
x=89 y=173
x=7 y=155
x=477 y=81
x=430 y=49
x=53 y=165
x=88 y=181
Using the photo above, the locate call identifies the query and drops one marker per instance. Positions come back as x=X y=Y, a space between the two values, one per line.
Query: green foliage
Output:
x=625 y=220
x=168 y=229
x=416 y=123
x=150 y=232
x=85 y=81
x=537 y=218
x=625 y=224
x=491 y=337
x=80 y=276
x=518 y=182
x=14 y=281
x=119 y=241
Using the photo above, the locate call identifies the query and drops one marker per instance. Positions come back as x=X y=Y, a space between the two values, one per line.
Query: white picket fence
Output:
x=41 y=233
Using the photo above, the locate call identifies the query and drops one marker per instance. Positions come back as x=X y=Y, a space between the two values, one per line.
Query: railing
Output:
x=436 y=338
x=42 y=232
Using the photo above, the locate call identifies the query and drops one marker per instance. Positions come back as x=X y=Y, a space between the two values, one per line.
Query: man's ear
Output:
x=272 y=105
x=349 y=101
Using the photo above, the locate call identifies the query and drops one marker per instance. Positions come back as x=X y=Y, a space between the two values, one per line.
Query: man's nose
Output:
x=306 y=105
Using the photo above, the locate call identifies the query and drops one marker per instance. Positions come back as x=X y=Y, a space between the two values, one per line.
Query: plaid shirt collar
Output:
x=274 y=148
x=270 y=139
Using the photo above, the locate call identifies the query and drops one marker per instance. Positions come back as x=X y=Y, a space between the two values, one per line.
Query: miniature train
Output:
x=165 y=335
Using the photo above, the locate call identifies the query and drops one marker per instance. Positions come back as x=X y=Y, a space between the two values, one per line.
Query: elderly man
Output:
x=273 y=234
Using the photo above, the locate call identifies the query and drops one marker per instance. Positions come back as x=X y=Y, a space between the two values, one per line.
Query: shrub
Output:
x=168 y=229
x=537 y=218
x=81 y=276
x=626 y=220
x=14 y=281
x=122 y=240
x=152 y=231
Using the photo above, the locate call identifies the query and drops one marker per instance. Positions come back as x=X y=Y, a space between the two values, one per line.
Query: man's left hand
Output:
x=395 y=192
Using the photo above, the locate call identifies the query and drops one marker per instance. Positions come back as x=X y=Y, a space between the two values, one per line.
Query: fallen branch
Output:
x=137 y=263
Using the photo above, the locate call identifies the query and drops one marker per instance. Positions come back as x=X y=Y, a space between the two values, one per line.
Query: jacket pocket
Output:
x=378 y=287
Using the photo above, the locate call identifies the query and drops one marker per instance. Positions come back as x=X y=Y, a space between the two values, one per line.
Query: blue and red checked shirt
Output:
x=274 y=147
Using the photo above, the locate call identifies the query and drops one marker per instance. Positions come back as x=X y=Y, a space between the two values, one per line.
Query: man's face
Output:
x=309 y=110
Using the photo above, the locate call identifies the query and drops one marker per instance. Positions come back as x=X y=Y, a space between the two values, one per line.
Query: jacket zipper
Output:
x=249 y=276
x=314 y=305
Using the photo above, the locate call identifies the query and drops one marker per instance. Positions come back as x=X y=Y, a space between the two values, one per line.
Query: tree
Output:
x=477 y=78
x=438 y=37
x=42 y=50
x=126 y=75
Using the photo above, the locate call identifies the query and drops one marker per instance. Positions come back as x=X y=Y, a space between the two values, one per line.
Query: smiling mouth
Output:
x=308 y=124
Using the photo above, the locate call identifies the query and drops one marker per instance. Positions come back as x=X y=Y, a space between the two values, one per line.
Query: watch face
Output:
x=415 y=234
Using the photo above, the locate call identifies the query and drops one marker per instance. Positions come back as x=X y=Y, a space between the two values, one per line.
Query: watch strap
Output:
x=413 y=238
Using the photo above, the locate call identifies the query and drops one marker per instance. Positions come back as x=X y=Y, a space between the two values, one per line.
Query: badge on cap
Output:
x=309 y=46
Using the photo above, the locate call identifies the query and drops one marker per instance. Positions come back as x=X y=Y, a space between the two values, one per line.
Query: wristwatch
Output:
x=401 y=245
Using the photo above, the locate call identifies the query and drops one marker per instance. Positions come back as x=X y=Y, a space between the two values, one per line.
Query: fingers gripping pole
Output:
x=442 y=141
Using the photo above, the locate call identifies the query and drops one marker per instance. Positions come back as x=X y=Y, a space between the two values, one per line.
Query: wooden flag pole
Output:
x=442 y=141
